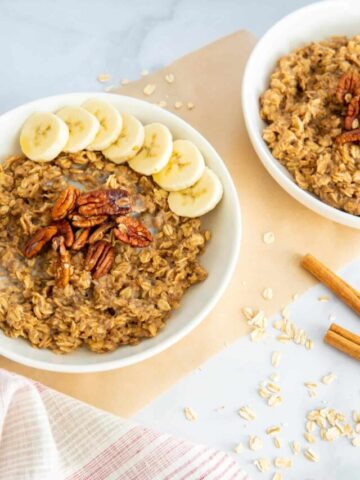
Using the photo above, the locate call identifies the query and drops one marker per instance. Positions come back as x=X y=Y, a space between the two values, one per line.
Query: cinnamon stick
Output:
x=343 y=340
x=343 y=290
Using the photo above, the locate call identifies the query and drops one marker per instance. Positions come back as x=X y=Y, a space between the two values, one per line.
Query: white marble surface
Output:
x=50 y=47
x=231 y=380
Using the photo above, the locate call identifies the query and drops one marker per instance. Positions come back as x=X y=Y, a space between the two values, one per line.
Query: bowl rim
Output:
x=271 y=164
x=104 y=365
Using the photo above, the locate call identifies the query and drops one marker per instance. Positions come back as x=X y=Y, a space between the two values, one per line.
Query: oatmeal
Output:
x=56 y=294
x=312 y=113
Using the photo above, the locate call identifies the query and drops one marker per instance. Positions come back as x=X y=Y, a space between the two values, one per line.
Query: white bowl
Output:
x=312 y=23
x=219 y=259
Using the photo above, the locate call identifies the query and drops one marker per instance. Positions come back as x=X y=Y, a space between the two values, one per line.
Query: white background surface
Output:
x=50 y=47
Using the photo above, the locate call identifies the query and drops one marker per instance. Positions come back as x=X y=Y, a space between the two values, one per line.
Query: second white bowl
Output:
x=312 y=23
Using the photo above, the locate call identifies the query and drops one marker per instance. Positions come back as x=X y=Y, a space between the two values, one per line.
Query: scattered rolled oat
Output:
x=310 y=426
x=278 y=442
x=275 y=401
x=257 y=334
x=309 y=438
x=283 y=462
x=295 y=296
x=109 y=88
x=275 y=377
x=238 y=448
x=149 y=89
x=323 y=298
x=246 y=413
x=356 y=442
x=273 y=429
x=144 y=72
x=311 y=455
x=331 y=433
x=262 y=464
x=283 y=338
x=263 y=392
x=356 y=416
x=277 y=476
x=190 y=106
x=103 y=77
x=248 y=313
x=190 y=414
x=310 y=384
x=124 y=81
x=162 y=104
x=273 y=387
x=332 y=317
x=169 y=78
x=255 y=443
x=267 y=293
x=295 y=447
x=269 y=238
x=178 y=105
x=309 y=344
x=329 y=378
x=275 y=359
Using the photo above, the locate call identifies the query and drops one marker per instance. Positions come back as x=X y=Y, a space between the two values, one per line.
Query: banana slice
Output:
x=82 y=125
x=198 y=199
x=128 y=143
x=156 y=150
x=43 y=136
x=110 y=123
x=185 y=167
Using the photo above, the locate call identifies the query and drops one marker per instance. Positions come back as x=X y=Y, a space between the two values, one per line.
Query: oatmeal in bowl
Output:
x=103 y=237
x=312 y=112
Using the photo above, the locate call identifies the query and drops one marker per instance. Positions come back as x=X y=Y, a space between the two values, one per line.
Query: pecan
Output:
x=38 y=240
x=99 y=233
x=352 y=113
x=351 y=136
x=99 y=258
x=62 y=266
x=64 y=229
x=349 y=83
x=81 y=237
x=114 y=201
x=65 y=203
x=86 y=222
x=131 y=231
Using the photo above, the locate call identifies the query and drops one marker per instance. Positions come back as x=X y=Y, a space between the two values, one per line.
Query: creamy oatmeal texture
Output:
x=130 y=303
x=304 y=117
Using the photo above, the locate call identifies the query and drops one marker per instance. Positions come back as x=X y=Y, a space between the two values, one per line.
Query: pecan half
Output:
x=349 y=83
x=65 y=203
x=81 y=237
x=351 y=120
x=86 y=222
x=114 y=201
x=64 y=229
x=38 y=240
x=351 y=136
x=132 y=232
x=62 y=267
x=99 y=233
x=99 y=258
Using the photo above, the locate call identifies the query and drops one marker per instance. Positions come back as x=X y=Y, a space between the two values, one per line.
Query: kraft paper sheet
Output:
x=211 y=79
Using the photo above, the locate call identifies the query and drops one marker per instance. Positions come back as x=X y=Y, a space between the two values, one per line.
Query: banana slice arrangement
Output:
x=176 y=166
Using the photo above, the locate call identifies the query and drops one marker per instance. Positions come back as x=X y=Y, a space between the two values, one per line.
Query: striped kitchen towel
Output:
x=45 y=435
